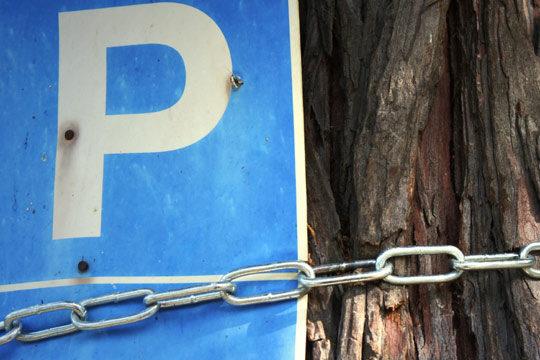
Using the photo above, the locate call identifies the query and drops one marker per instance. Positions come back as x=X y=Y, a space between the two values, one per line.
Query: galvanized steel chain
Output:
x=308 y=278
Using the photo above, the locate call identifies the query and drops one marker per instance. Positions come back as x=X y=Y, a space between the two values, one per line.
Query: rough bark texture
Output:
x=423 y=127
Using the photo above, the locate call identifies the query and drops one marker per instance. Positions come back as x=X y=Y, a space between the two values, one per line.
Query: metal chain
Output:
x=308 y=278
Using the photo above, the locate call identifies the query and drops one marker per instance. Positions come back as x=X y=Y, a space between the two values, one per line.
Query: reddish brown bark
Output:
x=422 y=127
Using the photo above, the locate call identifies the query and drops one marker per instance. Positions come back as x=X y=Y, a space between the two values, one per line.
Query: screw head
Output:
x=236 y=82
x=82 y=266
x=69 y=134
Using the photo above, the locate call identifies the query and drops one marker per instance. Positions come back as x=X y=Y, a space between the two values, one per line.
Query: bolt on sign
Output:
x=151 y=144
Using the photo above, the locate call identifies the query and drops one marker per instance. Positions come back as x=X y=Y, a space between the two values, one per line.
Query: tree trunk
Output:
x=422 y=123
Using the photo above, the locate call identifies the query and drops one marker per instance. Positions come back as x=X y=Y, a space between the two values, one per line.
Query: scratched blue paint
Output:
x=224 y=202
x=143 y=78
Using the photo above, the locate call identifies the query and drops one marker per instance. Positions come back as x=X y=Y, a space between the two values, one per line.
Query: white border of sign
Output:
x=300 y=161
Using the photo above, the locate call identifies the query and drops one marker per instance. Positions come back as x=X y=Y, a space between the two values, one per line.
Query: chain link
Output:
x=354 y=277
x=190 y=295
x=420 y=250
x=308 y=277
x=524 y=254
x=11 y=334
x=268 y=297
x=44 y=308
x=82 y=324
x=493 y=262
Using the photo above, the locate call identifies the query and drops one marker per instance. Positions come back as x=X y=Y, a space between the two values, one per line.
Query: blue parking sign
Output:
x=151 y=145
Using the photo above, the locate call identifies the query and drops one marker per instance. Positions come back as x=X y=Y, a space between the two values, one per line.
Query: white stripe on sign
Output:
x=101 y=280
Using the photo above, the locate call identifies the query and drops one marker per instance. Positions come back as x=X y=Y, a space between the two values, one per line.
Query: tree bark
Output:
x=422 y=122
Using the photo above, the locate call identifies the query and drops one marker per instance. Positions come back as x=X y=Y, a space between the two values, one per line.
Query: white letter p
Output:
x=84 y=39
